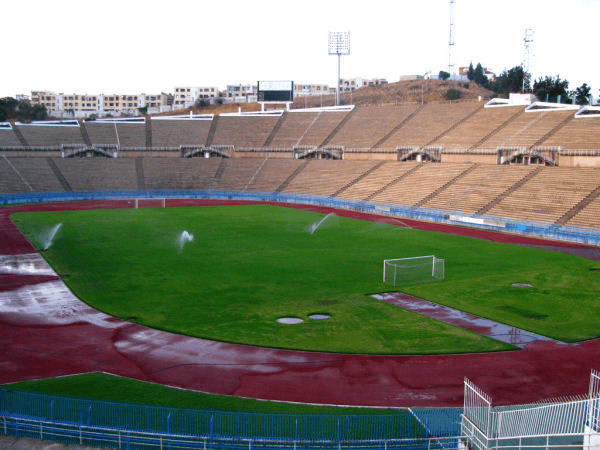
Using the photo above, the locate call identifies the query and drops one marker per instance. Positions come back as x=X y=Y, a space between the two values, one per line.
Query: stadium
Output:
x=477 y=178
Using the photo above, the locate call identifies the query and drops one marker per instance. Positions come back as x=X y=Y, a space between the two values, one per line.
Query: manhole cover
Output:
x=290 y=320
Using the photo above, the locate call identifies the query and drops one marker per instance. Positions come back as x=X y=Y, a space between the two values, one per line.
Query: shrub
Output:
x=453 y=94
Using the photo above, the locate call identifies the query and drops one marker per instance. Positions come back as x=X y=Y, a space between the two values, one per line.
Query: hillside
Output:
x=416 y=91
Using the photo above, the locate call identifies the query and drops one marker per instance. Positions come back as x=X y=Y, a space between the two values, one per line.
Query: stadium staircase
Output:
x=356 y=180
x=455 y=125
x=553 y=131
x=20 y=136
x=59 y=175
x=139 y=172
x=339 y=126
x=393 y=182
x=496 y=130
x=579 y=207
x=393 y=131
x=211 y=133
x=293 y=175
x=84 y=134
x=275 y=129
x=148 y=133
x=220 y=169
x=442 y=188
x=510 y=190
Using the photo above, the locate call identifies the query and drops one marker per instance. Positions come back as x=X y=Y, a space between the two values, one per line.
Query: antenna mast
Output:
x=451 y=39
x=527 y=41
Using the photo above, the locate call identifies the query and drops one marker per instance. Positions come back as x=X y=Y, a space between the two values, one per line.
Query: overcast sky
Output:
x=131 y=46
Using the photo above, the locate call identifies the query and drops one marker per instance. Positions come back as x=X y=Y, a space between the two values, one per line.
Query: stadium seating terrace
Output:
x=552 y=177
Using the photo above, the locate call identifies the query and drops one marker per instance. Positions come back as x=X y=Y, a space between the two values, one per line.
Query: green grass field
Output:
x=249 y=265
x=100 y=386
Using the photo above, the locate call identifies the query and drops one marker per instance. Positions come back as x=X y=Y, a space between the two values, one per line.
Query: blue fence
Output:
x=36 y=415
x=537 y=229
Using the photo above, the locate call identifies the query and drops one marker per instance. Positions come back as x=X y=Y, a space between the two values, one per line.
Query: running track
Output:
x=45 y=332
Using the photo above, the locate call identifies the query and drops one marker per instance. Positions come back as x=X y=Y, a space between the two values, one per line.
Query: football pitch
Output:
x=248 y=266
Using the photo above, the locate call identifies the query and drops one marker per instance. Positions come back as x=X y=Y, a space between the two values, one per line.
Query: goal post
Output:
x=417 y=269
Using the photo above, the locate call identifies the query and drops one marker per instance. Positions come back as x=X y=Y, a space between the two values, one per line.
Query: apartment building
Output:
x=351 y=84
x=186 y=96
x=80 y=106
x=312 y=89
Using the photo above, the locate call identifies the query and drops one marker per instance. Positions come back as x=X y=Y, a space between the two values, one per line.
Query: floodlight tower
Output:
x=339 y=44
x=527 y=41
x=451 y=39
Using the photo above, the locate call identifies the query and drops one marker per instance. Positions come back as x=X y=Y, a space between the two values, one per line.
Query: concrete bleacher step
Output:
x=139 y=172
x=212 y=131
x=553 y=131
x=20 y=136
x=84 y=134
x=445 y=186
x=496 y=130
x=510 y=190
x=275 y=129
x=454 y=125
x=356 y=180
x=293 y=175
x=335 y=131
x=578 y=207
x=221 y=169
x=393 y=182
x=393 y=131
x=59 y=175
x=148 y=133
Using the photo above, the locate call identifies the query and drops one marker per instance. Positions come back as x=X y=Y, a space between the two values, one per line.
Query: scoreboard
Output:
x=276 y=91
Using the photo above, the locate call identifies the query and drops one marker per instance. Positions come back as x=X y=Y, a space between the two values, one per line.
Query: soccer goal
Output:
x=419 y=269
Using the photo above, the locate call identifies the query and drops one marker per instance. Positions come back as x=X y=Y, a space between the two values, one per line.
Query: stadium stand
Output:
x=526 y=129
x=430 y=122
x=589 y=216
x=237 y=173
x=11 y=181
x=368 y=125
x=549 y=194
x=325 y=177
x=383 y=175
x=478 y=127
x=417 y=185
x=8 y=138
x=323 y=128
x=272 y=174
x=478 y=188
x=51 y=135
x=38 y=173
x=173 y=133
x=245 y=131
x=122 y=134
x=84 y=174
x=577 y=134
x=293 y=129
x=179 y=173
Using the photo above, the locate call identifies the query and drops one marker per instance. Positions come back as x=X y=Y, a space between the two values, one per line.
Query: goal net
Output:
x=419 y=269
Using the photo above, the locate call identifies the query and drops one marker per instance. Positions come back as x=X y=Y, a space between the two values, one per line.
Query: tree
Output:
x=8 y=106
x=478 y=75
x=471 y=72
x=582 y=94
x=549 y=89
x=512 y=80
x=444 y=75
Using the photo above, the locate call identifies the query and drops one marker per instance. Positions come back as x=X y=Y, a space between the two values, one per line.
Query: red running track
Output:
x=45 y=331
